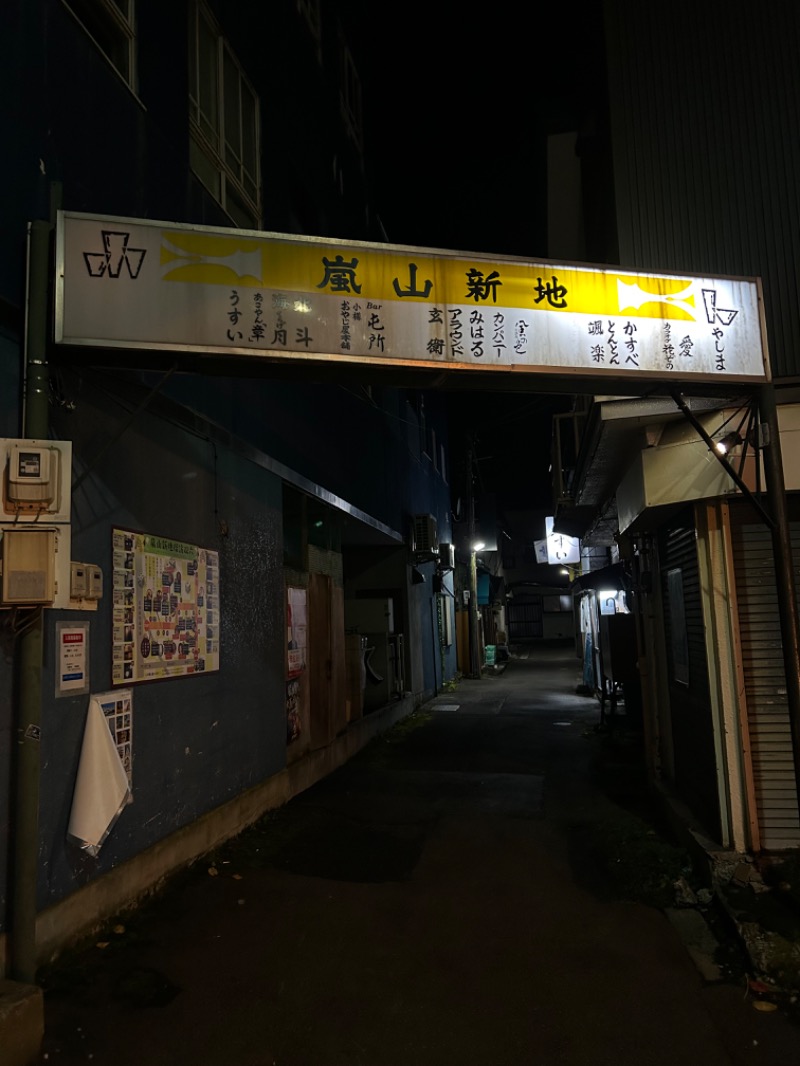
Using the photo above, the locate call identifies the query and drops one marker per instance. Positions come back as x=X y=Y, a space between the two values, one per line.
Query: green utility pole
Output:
x=475 y=655
x=26 y=751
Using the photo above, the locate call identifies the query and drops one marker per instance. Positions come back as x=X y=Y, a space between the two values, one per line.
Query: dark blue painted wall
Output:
x=197 y=741
x=365 y=447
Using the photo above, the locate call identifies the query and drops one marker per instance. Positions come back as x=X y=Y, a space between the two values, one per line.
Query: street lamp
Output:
x=728 y=442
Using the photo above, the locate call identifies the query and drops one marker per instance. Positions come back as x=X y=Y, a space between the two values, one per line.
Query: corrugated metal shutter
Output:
x=680 y=552
x=695 y=776
x=525 y=620
x=706 y=160
x=765 y=681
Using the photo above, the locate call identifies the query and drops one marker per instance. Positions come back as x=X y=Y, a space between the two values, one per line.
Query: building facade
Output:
x=294 y=491
x=690 y=163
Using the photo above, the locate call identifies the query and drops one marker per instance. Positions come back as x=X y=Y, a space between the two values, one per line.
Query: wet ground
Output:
x=486 y=884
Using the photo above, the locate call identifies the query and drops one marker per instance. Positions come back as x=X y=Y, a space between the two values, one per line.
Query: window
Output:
x=445 y=621
x=224 y=122
x=110 y=24
x=679 y=638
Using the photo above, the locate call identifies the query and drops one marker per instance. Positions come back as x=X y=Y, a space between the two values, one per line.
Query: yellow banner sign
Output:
x=136 y=284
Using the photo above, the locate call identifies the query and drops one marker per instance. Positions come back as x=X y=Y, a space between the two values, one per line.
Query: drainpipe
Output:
x=784 y=568
x=434 y=642
x=26 y=751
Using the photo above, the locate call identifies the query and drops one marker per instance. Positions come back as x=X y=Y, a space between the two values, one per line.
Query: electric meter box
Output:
x=32 y=474
x=94 y=583
x=35 y=479
x=86 y=581
x=78 y=580
x=29 y=563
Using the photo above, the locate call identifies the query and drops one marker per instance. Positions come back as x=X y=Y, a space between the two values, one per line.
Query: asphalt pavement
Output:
x=485 y=885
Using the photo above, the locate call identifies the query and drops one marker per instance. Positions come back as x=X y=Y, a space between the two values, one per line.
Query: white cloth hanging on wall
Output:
x=101 y=787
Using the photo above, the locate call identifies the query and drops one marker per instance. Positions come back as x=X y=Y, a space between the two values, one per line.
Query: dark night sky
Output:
x=456 y=113
x=457 y=109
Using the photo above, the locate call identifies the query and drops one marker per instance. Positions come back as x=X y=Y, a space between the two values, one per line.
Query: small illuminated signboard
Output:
x=560 y=549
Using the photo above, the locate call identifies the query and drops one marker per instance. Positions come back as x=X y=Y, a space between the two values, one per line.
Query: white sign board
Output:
x=560 y=549
x=136 y=284
x=73 y=658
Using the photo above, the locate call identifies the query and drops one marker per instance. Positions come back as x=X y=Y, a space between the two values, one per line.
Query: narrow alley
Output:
x=481 y=886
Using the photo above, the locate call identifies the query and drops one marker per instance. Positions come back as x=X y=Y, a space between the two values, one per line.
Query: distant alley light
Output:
x=478 y=546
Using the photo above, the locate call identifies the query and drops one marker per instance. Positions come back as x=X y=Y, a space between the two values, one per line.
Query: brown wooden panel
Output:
x=462 y=642
x=338 y=682
x=319 y=659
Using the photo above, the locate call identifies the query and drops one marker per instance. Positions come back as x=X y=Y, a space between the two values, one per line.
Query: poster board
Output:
x=165 y=613
x=117 y=708
x=296 y=643
x=297 y=629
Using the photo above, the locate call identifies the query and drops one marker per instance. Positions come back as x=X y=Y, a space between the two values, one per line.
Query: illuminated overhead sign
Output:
x=561 y=549
x=127 y=283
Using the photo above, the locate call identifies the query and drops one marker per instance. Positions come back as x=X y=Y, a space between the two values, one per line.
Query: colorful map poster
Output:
x=165 y=608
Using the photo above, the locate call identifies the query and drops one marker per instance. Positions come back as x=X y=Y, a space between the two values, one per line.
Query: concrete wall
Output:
x=129 y=884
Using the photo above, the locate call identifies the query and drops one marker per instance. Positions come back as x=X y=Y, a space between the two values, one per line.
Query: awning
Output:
x=607 y=577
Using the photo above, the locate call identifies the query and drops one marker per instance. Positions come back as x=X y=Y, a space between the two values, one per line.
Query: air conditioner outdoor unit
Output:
x=447 y=557
x=426 y=540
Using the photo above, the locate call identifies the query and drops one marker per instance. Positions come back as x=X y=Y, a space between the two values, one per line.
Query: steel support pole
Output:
x=26 y=749
x=474 y=632
x=784 y=568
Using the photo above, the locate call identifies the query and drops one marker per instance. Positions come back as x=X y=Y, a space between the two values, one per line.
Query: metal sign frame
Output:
x=143 y=285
